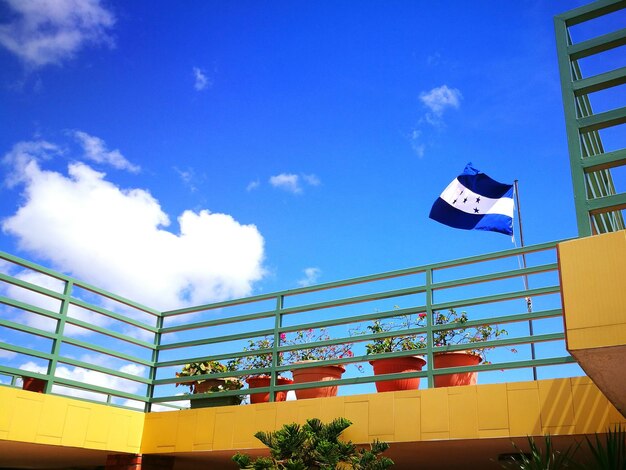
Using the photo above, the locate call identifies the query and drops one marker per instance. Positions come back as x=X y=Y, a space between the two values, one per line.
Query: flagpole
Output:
x=529 y=303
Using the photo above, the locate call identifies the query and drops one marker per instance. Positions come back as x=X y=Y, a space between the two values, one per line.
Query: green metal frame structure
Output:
x=303 y=308
x=598 y=207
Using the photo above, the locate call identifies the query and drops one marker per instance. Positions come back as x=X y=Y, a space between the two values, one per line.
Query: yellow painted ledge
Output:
x=593 y=284
x=593 y=291
x=561 y=406
x=48 y=419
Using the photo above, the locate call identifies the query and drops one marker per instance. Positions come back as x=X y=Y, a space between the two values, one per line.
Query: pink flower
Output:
x=283 y=337
x=422 y=315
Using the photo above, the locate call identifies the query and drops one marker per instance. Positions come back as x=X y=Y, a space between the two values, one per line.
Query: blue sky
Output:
x=322 y=131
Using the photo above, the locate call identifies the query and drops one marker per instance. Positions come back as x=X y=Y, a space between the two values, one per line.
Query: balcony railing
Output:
x=90 y=344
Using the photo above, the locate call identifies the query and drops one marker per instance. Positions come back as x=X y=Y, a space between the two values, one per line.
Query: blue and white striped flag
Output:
x=473 y=201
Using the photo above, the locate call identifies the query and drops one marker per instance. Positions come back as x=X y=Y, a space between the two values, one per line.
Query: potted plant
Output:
x=211 y=385
x=33 y=384
x=461 y=335
x=396 y=365
x=316 y=373
x=261 y=361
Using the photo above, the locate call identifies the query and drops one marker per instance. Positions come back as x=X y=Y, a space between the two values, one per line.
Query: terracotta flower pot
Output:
x=33 y=385
x=205 y=387
x=317 y=374
x=456 y=359
x=258 y=381
x=396 y=365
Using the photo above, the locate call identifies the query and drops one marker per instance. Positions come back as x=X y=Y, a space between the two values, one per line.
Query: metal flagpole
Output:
x=529 y=301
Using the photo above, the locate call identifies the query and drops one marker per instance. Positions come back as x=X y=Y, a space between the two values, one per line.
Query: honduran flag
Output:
x=473 y=201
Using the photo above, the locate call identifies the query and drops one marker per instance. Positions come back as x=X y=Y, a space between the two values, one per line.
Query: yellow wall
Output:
x=562 y=406
x=47 y=419
x=593 y=283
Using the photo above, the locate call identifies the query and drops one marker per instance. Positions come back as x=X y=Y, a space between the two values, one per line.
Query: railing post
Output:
x=153 y=366
x=278 y=322
x=429 y=328
x=56 y=344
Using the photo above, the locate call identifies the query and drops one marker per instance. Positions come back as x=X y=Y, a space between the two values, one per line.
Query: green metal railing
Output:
x=19 y=315
x=598 y=206
x=275 y=326
x=213 y=332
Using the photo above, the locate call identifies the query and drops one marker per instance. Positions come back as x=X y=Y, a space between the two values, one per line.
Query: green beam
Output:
x=596 y=45
x=600 y=121
x=600 y=82
x=604 y=161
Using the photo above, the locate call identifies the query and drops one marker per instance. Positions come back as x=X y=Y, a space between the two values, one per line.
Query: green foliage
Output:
x=314 y=445
x=396 y=343
x=538 y=459
x=606 y=454
x=209 y=367
x=463 y=335
x=610 y=454
x=319 y=353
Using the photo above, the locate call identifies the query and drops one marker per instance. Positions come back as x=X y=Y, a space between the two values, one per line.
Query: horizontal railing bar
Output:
x=596 y=45
x=26 y=351
x=199 y=396
x=503 y=319
x=27 y=329
x=606 y=203
x=354 y=319
x=600 y=121
x=109 y=352
x=604 y=161
x=220 y=339
x=590 y=11
x=370 y=278
x=104 y=370
x=98 y=389
x=354 y=300
x=23 y=373
x=212 y=357
x=599 y=82
x=495 y=276
x=117 y=298
x=497 y=298
x=63 y=277
x=29 y=308
x=310 y=307
x=31 y=287
x=219 y=321
x=115 y=316
x=108 y=332
x=221 y=375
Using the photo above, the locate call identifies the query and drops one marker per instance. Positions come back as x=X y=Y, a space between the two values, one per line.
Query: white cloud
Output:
x=441 y=98
x=252 y=185
x=189 y=178
x=50 y=31
x=95 y=150
x=437 y=100
x=287 y=181
x=312 y=179
x=292 y=183
x=22 y=155
x=114 y=238
x=201 y=80
x=311 y=275
x=416 y=143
